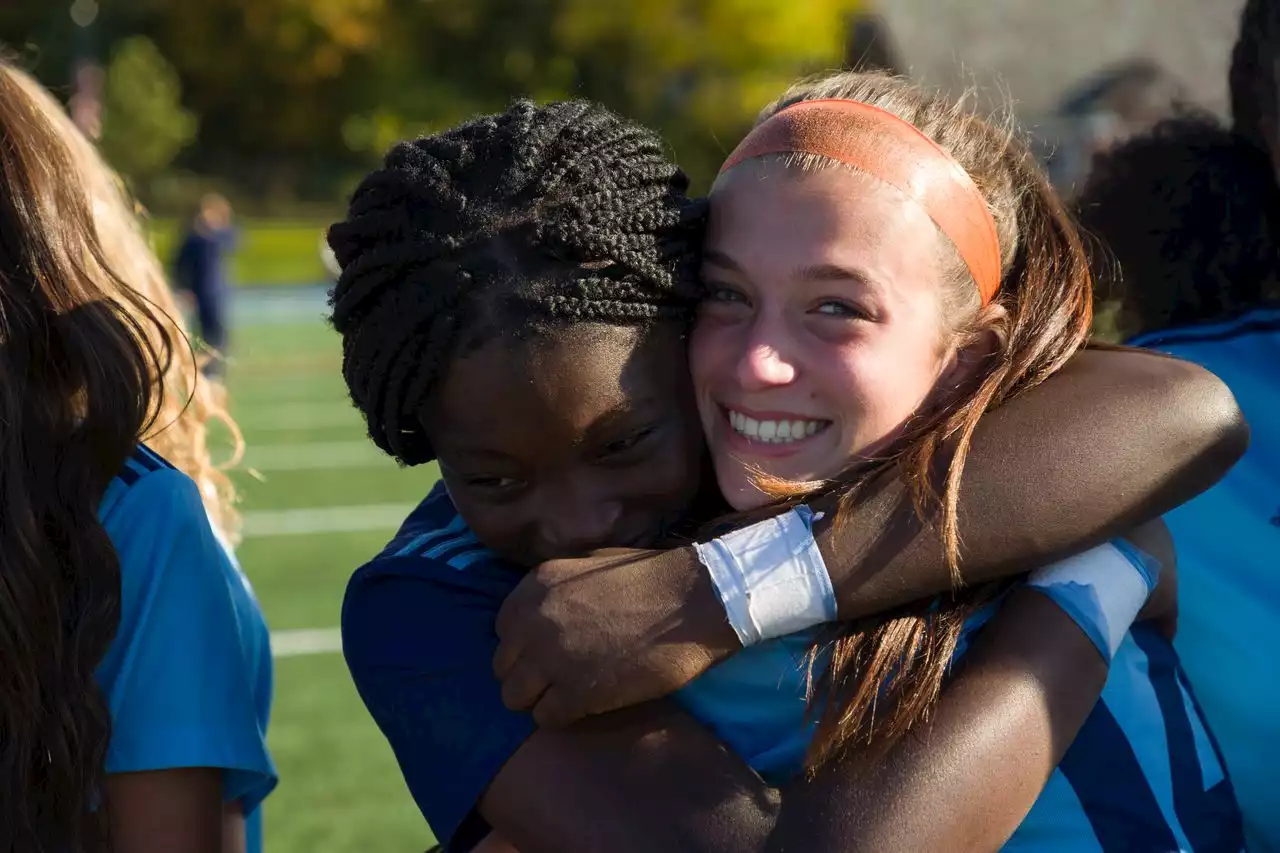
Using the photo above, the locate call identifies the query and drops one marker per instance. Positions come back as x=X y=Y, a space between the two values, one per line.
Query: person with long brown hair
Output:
x=137 y=664
x=190 y=404
x=882 y=269
x=512 y=302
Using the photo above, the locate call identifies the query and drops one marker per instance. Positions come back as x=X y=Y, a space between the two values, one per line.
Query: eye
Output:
x=838 y=308
x=632 y=441
x=723 y=293
x=492 y=483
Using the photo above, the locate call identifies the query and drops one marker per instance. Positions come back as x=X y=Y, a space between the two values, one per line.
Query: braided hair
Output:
x=1252 y=79
x=504 y=226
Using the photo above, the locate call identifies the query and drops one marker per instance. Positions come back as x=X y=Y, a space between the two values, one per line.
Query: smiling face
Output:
x=822 y=331
x=561 y=445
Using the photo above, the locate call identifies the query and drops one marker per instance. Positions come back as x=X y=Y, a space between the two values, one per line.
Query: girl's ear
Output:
x=966 y=360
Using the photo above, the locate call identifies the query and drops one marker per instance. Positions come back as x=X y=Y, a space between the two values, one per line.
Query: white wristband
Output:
x=1102 y=590
x=771 y=577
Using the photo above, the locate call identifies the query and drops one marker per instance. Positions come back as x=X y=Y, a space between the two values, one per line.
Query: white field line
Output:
x=307 y=641
x=330 y=519
x=315 y=456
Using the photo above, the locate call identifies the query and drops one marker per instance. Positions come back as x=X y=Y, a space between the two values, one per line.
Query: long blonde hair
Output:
x=884 y=675
x=189 y=401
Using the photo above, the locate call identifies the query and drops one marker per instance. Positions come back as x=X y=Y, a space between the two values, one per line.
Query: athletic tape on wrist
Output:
x=771 y=577
x=1102 y=590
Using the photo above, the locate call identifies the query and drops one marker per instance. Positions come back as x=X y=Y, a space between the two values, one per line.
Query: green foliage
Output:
x=144 y=123
x=698 y=70
x=298 y=98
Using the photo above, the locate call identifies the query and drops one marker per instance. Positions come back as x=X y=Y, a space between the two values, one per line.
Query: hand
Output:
x=603 y=632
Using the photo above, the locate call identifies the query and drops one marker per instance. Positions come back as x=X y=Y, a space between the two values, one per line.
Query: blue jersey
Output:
x=188 y=676
x=418 y=633
x=1228 y=542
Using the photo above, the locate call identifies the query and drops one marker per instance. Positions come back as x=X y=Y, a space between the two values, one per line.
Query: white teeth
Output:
x=773 y=432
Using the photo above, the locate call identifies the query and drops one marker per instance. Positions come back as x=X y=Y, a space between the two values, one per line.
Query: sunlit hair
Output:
x=190 y=400
x=78 y=350
x=884 y=677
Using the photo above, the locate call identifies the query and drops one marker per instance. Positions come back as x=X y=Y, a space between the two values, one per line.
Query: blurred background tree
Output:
x=286 y=102
x=144 y=124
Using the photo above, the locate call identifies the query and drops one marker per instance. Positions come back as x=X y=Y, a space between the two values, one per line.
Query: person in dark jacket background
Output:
x=200 y=269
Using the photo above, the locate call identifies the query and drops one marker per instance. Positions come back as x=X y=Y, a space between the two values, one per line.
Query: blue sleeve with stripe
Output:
x=188 y=677
x=418 y=636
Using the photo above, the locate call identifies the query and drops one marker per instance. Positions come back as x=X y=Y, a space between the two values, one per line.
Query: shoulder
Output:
x=170 y=553
x=148 y=491
x=188 y=674
x=432 y=582
x=433 y=538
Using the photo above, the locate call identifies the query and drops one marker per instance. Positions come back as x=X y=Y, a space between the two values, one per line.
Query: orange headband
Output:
x=882 y=145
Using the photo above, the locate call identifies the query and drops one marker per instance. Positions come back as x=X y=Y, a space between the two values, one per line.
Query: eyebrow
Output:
x=633 y=409
x=809 y=272
x=832 y=272
x=720 y=259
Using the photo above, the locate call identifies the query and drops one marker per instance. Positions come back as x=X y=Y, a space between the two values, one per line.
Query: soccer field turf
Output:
x=318 y=500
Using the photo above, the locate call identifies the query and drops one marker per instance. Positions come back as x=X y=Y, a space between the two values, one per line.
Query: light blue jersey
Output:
x=1228 y=542
x=188 y=676
x=1142 y=775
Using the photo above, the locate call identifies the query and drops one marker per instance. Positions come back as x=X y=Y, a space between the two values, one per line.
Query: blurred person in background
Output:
x=153 y=699
x=1112 y=105
x=200 y=270
x=1189 y=215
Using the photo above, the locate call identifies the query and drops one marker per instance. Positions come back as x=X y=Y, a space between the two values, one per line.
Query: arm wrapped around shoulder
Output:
x=1175 y=407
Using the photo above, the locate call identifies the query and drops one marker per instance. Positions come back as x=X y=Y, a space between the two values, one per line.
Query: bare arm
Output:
x=235 y=837
x=650 y=779
x=169 y=811
x=1116 y=438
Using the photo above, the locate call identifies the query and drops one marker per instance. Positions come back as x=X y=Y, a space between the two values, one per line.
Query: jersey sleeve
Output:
x=188 y=677
x=418 y=636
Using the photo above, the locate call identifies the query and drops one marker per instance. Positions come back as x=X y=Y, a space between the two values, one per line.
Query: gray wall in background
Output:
x=1035 y=49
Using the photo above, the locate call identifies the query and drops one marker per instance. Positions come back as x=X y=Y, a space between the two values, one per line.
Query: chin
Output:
x=741 y=493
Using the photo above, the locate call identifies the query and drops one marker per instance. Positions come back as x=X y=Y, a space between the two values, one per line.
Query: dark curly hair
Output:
x=502 y=227
x=1187 y=217
x=1252 y=79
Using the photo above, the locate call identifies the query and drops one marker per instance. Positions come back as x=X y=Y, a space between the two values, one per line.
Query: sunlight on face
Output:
x=822 y=331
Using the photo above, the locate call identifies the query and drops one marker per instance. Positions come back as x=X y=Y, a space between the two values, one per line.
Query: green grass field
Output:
x=271 y=251
x=340 y=789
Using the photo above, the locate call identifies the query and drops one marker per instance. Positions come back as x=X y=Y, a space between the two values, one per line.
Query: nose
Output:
x=575 y=527
x=763 y=364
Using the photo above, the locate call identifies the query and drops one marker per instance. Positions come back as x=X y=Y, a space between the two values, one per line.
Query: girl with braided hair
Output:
x=136 y=664
x=1189 y=219
x=513 y=301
